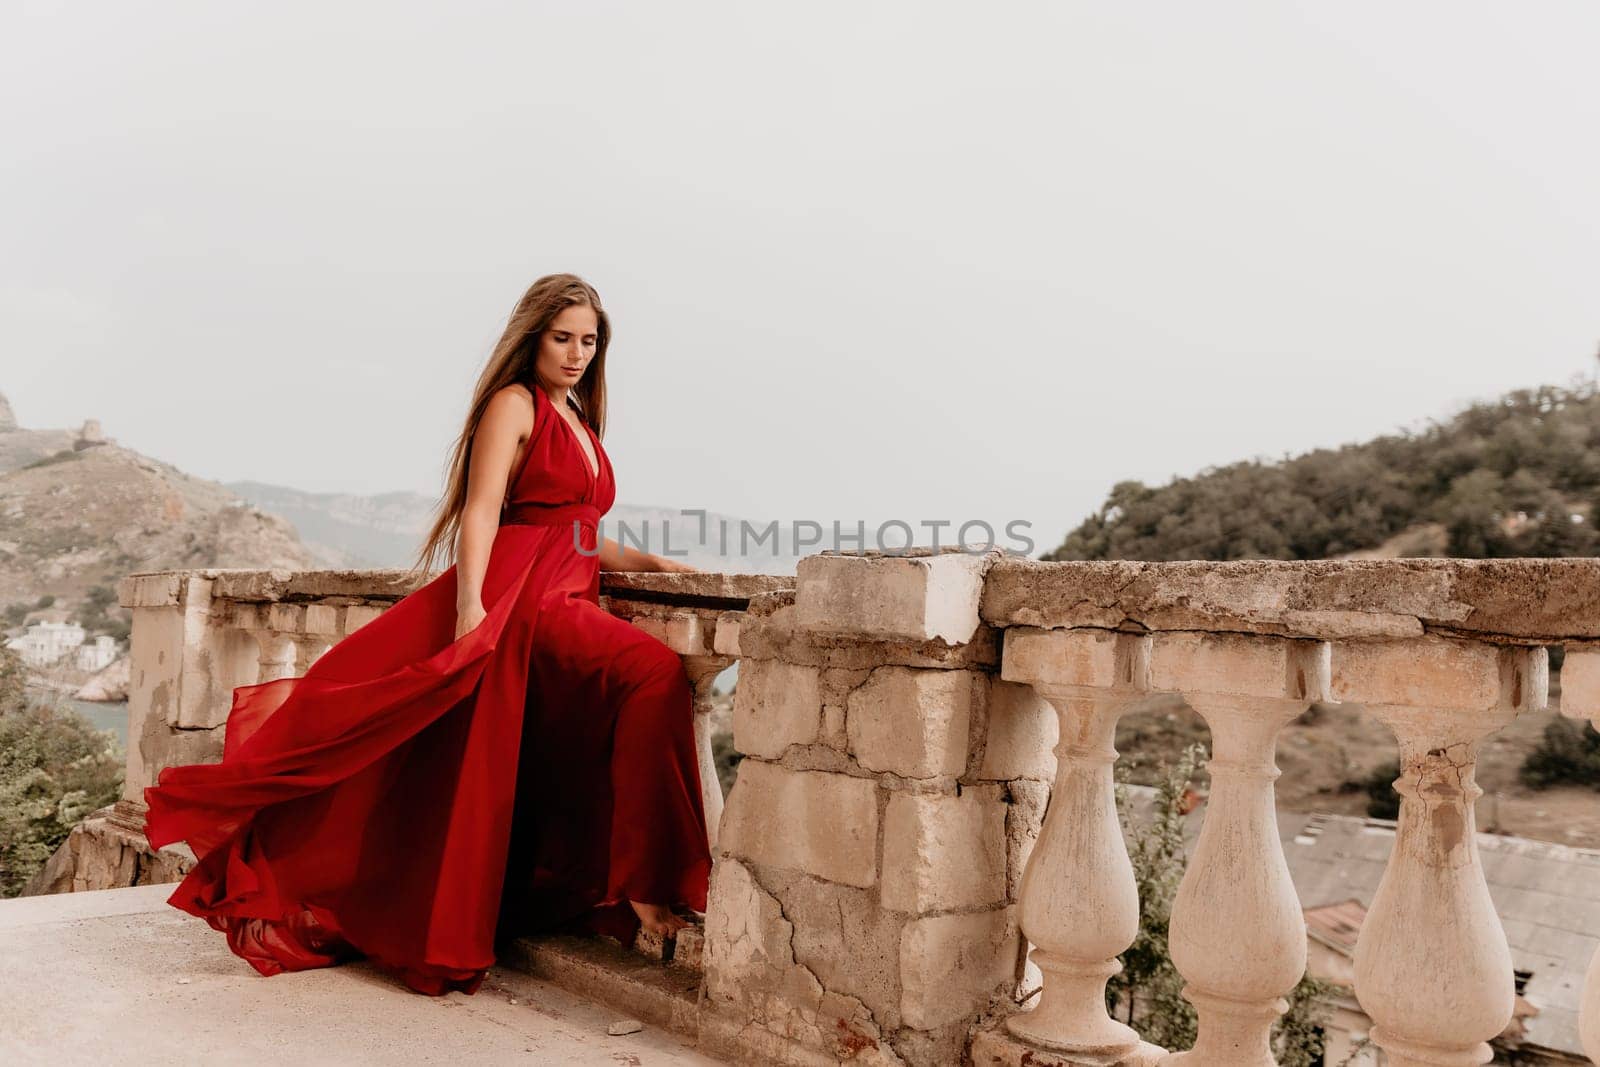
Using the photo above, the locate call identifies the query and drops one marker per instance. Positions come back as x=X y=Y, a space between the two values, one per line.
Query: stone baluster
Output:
x=707 y=647
x=355 y=617
x=1432 y=967
x=277 y=656
x=1237 y=933
x=1580 y=699
x=702 y=672
x=307 y=647
x=1078 y=902
x=321 y=626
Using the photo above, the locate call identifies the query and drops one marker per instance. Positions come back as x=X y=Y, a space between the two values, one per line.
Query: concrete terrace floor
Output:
x=118 y=976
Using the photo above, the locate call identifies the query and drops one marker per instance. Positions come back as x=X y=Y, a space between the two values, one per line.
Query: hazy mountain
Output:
x=385 y=530
x=347 y=529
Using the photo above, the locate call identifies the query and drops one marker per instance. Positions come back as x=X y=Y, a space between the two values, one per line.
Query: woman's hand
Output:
x=468 y=616
x=666 y=563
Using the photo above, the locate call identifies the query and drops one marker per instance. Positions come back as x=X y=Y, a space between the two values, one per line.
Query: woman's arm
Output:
x=507 y=420
x=615 y=557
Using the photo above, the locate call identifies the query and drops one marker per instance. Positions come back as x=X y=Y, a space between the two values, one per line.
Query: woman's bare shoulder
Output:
x=516 y=393
x=514 y=397
x=511 y=406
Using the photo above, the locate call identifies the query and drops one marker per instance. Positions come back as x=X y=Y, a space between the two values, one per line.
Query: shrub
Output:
x=726 y=759
x=1382 y=800
x=1567 y=754
x=55 y=768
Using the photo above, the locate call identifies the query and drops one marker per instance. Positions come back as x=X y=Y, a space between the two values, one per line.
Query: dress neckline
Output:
x=583 y=457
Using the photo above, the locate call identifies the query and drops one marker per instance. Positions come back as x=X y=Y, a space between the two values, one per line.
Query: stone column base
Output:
x=997 y=1048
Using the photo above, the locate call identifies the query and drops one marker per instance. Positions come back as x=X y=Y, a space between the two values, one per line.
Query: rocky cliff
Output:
x=77 y=510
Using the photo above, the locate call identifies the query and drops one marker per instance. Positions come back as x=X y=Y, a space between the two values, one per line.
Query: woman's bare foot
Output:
x=658 y=918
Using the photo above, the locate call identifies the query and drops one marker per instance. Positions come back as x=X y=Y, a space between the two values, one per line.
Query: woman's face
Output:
x=567 y=346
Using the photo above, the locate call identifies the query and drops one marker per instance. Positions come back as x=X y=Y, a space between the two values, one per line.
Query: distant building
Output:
x=44 y=643
x=93 y=656
x=91 y=435
x=1547 y=896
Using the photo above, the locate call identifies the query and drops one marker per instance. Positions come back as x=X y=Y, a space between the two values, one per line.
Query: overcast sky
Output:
x=862 y=260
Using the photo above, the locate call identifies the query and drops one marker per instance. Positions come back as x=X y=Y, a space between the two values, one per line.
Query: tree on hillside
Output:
x=1504 y=478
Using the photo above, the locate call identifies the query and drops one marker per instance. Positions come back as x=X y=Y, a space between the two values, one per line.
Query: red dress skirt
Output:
x=414 y=795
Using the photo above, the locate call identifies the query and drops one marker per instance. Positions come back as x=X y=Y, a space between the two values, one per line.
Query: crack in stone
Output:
x=878 y=1036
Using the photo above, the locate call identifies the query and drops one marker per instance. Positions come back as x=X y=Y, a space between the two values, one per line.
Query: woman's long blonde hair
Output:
x=513 y=362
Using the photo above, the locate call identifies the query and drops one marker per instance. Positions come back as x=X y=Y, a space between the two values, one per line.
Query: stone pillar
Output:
x=862 y=898
x=172 y=688
x=702 y=672
x=1432 y=966
x=1237 y=933
x=1078 y=901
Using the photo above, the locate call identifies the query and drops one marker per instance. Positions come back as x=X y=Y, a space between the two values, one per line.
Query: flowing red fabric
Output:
x=414 y=795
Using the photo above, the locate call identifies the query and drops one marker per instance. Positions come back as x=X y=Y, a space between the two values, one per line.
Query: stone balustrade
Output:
x=199 y=633
x=924 y=833
x=886 y=890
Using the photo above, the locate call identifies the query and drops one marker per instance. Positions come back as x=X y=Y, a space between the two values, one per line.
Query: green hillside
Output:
x=1514 y=477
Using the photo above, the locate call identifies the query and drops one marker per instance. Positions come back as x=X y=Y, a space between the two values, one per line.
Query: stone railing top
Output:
x=159 y=588
x=1509 y=601
x=731 y=592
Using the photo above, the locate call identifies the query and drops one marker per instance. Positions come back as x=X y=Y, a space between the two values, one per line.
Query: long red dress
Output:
x=391 y=800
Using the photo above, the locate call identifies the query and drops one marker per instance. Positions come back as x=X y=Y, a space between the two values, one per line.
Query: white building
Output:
x=46 y=642
x=92 y=657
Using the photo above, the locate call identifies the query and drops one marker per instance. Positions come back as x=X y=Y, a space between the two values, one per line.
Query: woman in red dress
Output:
x=495 y=754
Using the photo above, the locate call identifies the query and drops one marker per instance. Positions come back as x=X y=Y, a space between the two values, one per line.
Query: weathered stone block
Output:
x=689 y=948
x=358 y=615
x=916 y=597
x=747 y=938
x=775 y=705
x=1024 y=820
x=942 y=851
x=286 y=618
x=823 y=824
x=765 y=1006
x=1095 y=659
x=951 y=965
x=726 y=642
x=1240 y=665
x=844 y=937
x=1022 y=735
x=1580 y=684
x=685 y=633
x=150 y=590
x=1436 y=672
x=323 y=620
x=912 y=722
x=179 y=658
x=779 y=635
x=1546 y=601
